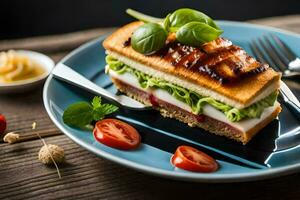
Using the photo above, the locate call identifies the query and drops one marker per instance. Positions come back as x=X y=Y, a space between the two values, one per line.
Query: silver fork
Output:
x=271 y=49
x=264 y=50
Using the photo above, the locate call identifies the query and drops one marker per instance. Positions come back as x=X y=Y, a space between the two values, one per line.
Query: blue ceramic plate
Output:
x=161 y=136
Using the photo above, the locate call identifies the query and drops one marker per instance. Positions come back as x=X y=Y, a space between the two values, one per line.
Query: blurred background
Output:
x=35 y=17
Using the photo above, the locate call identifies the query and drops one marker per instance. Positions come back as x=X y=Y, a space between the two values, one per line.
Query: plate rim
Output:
x=195 y=177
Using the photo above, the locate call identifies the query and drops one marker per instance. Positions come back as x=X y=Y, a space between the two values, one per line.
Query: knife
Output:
x=290 y=100
x=291 y=138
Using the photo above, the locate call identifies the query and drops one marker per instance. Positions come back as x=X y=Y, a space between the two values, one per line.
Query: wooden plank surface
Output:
x=54 y=43
x=87 y=176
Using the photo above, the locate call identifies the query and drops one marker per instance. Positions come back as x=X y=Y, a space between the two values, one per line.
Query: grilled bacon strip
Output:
x=219 y=59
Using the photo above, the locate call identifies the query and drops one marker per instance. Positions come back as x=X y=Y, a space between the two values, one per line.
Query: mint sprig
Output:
x=82 y=114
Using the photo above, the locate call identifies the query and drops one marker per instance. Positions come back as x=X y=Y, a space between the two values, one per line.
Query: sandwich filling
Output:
x=189 y=99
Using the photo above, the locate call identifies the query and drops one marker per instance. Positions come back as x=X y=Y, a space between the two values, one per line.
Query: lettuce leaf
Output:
x=193 y=99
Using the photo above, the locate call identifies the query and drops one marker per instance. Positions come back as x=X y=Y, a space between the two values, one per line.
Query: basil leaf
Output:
x=78 y=114
x=197 y=33
x=167 y=22
x=183 y=16
x=149 y=38
x=105 y=109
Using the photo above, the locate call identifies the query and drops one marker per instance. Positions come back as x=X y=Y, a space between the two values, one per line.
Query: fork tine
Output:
x=288 y=52
x=260 y=55
x=275 y=60
x=277 y=50
x=256 y=52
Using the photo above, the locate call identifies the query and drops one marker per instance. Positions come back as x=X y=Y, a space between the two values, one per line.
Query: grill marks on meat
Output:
x=219 y=59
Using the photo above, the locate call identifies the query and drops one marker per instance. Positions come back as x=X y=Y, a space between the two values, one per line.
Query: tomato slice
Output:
x=117 y=134
x=2 y=124
x=191 y=159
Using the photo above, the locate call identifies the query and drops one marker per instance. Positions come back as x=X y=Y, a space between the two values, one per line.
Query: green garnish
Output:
x=149 y=38
x=196 y=33
x=183 y=16
x=191 y=27
x=82 y=114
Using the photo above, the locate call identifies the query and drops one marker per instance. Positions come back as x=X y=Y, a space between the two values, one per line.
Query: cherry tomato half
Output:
x=117 y=134
x=2 y=124
x=191 y=159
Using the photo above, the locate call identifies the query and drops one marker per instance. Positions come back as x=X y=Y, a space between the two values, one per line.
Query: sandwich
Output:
x=215 y=85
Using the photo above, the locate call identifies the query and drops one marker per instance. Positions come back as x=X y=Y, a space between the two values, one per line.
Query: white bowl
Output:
x=25 y=85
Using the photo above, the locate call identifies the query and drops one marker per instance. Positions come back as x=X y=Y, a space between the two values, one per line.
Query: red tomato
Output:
x=191 y=159
x=2 y=124
x=116 y=134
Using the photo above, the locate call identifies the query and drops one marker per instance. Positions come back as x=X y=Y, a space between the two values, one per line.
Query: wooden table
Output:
x=87 y=176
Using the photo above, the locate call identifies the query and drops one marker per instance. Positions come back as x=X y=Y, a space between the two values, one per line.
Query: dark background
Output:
x=39 y=17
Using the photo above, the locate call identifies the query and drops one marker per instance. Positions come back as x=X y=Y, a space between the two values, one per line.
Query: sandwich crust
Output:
x=242 y=91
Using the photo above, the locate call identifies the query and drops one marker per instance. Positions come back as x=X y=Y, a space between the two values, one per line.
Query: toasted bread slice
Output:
x=243 y=91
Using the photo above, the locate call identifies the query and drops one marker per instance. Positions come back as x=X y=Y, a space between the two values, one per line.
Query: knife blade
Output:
x=289 y=93
x=291 y=138
x=290 y=100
